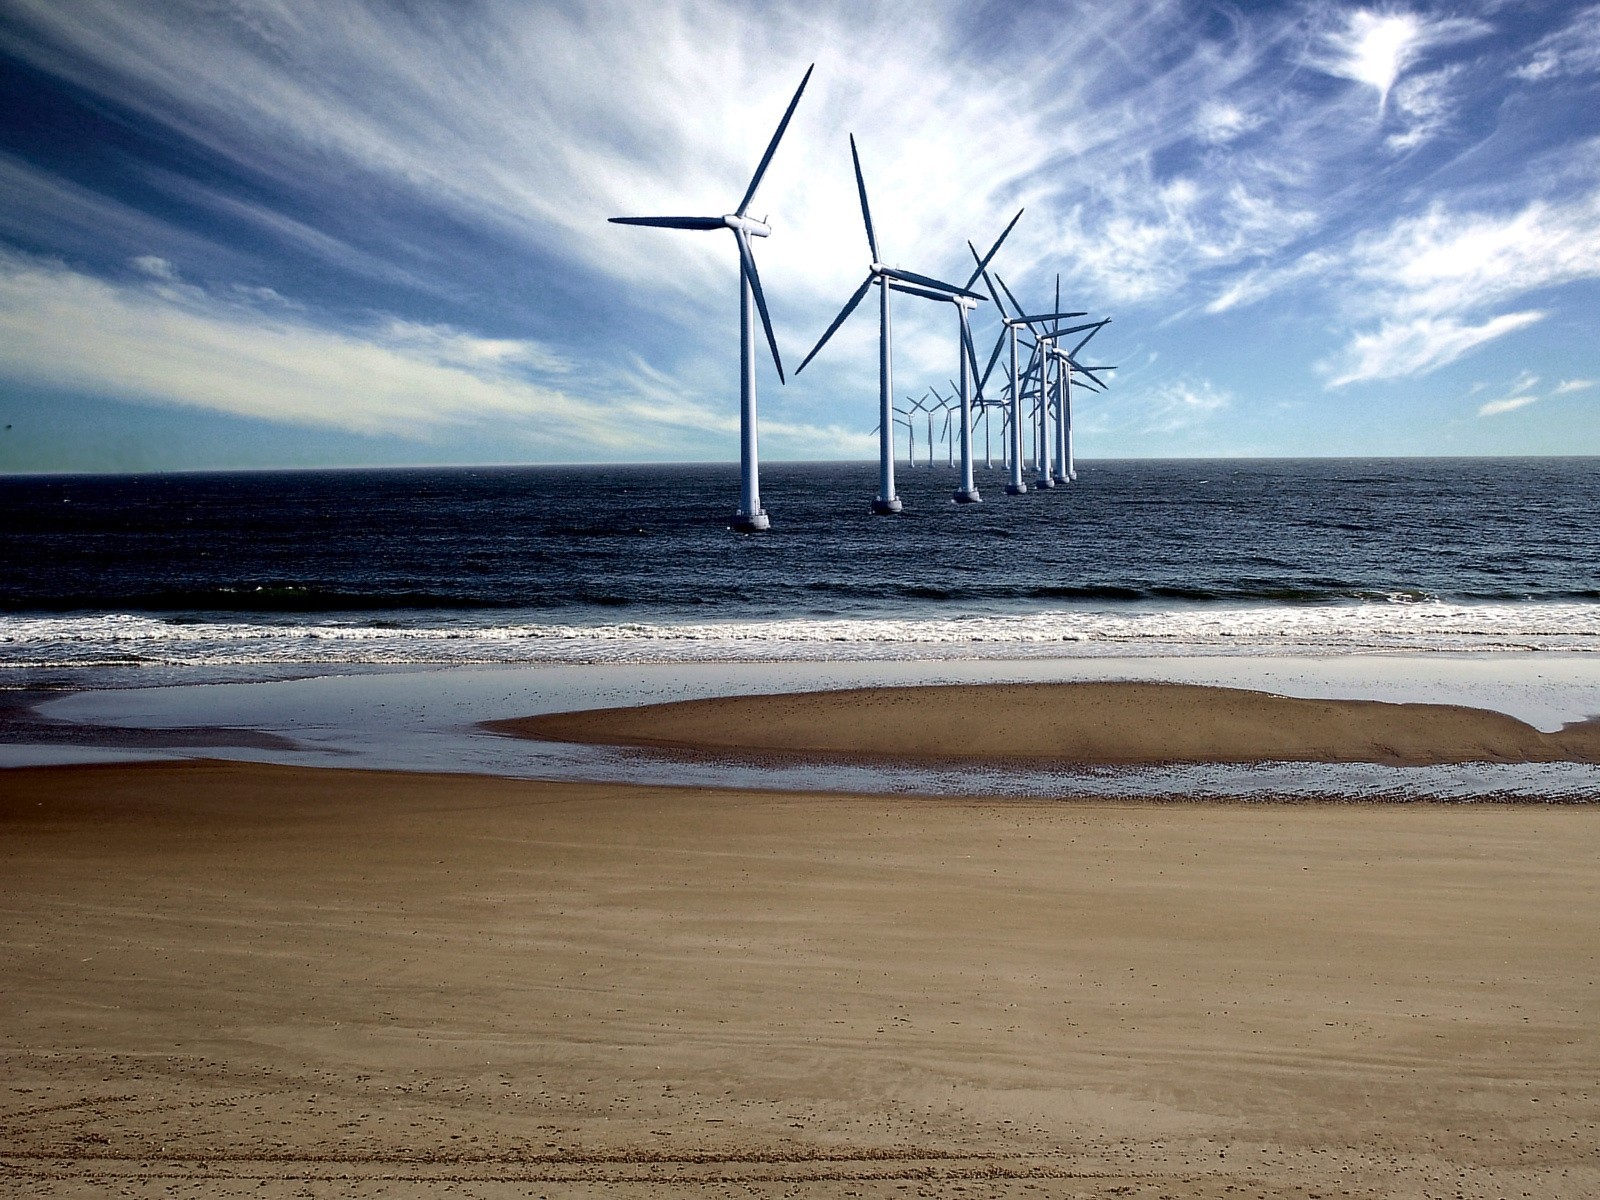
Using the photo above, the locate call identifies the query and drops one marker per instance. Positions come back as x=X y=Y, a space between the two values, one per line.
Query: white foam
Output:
x=1070 y=632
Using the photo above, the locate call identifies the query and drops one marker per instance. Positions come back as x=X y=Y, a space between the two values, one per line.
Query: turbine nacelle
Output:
x=748 y=224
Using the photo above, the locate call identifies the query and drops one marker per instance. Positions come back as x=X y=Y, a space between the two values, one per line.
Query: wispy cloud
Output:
x=1402 y=349
x=1375 y=47
x=1495 y=407
x=173 y=344
x=1573 y=385
x=403 y=189
x=1572 y=50
x=1174 y=406
x=1423 y=106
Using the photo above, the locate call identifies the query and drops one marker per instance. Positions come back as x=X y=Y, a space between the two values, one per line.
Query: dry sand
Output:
x=229 y=979
x=1108 y=723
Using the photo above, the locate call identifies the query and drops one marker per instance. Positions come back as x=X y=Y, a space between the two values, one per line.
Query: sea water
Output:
x=186 y=580
x=617 y=564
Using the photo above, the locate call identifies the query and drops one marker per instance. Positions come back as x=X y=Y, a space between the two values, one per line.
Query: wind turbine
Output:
x=929 y=410
x=1045 y=355
x=902 y=417
x=751 y=517
x=887 y=279
x=1044 y=343
x=965 y=301
x=1067 y=364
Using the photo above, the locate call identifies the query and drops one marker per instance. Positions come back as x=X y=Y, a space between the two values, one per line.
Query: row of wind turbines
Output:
x=1038 y=390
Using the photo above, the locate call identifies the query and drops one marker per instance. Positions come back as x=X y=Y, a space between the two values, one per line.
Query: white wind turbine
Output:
x=965 y=301
x=887 y=279
x=1067 y=363
x=1012 y=325
x=751 y=516
x=1047 y=355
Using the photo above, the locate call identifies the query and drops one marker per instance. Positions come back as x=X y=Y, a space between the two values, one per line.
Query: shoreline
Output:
x=433 y=721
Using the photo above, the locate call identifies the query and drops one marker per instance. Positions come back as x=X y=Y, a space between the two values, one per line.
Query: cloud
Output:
x=1177 y=405
x=1401 y=349
x=154 y=266
x=1496 y=407
x=1219 y=122
x=1572 y=385
x=1446 y=261
x=1376 y=47
x=173 y=344
x=1572 y=50
x=1431 y=282
x=1423 y=105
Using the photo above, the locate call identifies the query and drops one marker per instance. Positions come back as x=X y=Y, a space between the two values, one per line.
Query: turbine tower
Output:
x=887 y=279
x=1067 y=363
x=967 y=491
x=751 y=517
x=1044 y=348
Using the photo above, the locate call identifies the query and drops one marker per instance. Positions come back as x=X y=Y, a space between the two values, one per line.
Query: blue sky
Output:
x=277 y=234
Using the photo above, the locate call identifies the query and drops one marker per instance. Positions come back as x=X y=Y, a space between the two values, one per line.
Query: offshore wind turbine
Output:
x=751 y=517
x=1068 y=363
x=1044 y=345
x=929 y=410
x=967 y=492
x=1045 y=356
x=887 y=279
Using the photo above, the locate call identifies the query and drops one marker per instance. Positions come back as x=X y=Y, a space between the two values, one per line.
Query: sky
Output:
x=258 y=233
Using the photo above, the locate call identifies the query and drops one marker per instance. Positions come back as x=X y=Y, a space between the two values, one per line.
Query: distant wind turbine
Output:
x=1008 y=334
x=887 y=279
x=751 y=516
x=1068 y=363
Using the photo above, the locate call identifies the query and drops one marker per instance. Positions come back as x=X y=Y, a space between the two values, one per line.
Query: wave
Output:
x=1411 y=626
x=309 y=599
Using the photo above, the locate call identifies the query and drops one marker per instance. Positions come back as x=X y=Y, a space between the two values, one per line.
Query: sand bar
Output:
x=1094 y=722
x=232 y=979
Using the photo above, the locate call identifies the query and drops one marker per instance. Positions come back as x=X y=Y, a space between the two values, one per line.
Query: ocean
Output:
x=616 y=564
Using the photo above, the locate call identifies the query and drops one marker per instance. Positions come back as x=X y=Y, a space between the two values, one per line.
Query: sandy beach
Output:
x=1089 y=722
x=226 y=979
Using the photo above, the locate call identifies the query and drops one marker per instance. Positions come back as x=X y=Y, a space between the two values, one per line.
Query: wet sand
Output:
x=1098 y=723
x=227 y=979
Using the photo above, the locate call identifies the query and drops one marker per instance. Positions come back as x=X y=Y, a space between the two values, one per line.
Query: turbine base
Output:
x=1061 y=479
x=967 y=496
x=755 y=522
x=886 y=508
x=1016 y=489
x=1044 y=483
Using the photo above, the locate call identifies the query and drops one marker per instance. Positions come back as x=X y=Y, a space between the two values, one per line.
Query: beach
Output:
x=230 y=978
x=1097 y=723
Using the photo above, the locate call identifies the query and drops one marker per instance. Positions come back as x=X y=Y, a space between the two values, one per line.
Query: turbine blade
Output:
x=861 y=189
x=755 y=180
x=994 y=249
x=999 y=344
x=1097 y=327
x=1053 y=316
x=1089 y=372
x=1007 y=291
x=849 y=307
x=672 y=222
x=749 y=264
x=993 y=295
x=929 y=281
x=916 y=291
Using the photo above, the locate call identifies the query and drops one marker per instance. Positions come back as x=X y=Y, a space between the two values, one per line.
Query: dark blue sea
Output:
x=637 y=563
